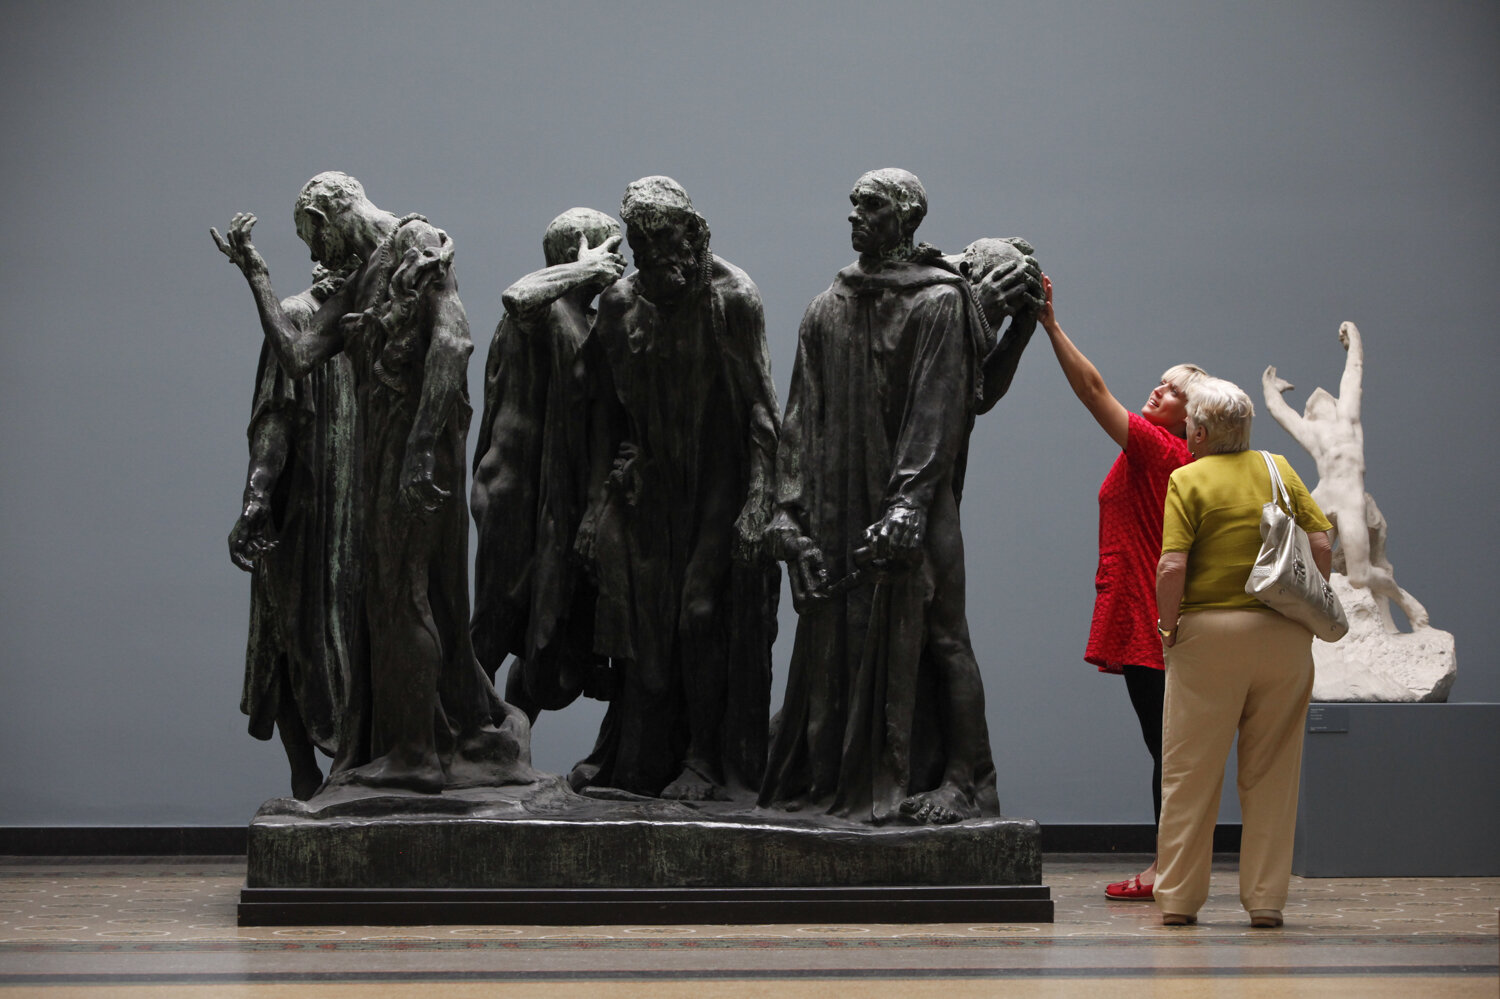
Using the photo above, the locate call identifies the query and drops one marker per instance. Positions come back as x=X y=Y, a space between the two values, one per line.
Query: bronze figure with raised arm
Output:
x=421 y=714
x=296 y=535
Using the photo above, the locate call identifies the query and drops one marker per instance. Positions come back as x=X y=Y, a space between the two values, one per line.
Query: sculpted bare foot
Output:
x=940 y=807
x=425 y=776
x=691 y=785
x=305 y=782
x=583 y=775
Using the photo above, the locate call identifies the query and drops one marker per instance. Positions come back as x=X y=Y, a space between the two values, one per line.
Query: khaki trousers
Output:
x=1232 y=670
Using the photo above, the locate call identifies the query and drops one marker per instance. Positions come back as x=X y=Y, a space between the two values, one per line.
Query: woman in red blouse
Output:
x=1123 y=637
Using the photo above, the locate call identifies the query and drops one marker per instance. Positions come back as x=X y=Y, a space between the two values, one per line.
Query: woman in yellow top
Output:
x=1232 y=664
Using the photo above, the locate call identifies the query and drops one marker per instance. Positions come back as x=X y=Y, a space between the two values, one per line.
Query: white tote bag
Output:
x=1284 y=577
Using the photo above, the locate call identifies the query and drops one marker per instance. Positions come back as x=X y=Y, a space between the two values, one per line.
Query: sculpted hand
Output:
x=586 y=544
x=420 y=495
x=749 y=541
x=623 y=477
x=898 y=533
x=420 y=266
x=808 y=571
x=248 y=540
x=1270 y=382
x=237 y=246
x=353 y=325
x=1012 y=288
x=604 y=260
x=1346 y=330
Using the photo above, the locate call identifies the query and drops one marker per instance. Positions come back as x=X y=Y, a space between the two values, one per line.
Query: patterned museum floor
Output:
x=125 y=927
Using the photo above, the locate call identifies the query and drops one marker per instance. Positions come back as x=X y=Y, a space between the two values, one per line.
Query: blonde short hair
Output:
x=1224 y=410
x=1183 y=377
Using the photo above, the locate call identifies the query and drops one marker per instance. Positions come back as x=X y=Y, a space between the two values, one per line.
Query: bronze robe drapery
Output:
x=531 y=599
x=303 y=592
x=691 y=389
x=882 y=399
x=415 y=590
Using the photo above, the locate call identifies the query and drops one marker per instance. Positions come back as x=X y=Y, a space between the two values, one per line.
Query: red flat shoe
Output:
x=1129 y=891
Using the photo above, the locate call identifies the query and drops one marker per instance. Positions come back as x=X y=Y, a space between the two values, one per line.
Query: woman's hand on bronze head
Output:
x=1047 y=315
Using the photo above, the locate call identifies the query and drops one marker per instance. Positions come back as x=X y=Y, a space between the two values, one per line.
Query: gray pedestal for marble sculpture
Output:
x=543 y=855
x=1399 y=790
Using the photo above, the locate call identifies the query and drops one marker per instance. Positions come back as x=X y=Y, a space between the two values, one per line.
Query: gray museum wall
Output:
x=1216 y=183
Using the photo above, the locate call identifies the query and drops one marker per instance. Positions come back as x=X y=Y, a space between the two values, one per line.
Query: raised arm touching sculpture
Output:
x=420 y=713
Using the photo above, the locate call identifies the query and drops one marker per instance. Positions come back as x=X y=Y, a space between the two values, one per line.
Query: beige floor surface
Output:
x=122 y=928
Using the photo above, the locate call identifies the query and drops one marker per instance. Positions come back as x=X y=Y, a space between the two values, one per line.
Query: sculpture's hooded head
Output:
x=667 y=237
x=560 y=241
x=328 y=213
x=889 y=205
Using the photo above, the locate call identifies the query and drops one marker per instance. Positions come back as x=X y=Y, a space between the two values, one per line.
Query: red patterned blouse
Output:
x=1130 y=517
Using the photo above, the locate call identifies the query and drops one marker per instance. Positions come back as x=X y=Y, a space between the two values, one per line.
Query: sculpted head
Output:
x=560 y=241
x=983 y=255
x=982 y=258
x=668 y=239
x=328 y=214
x=889 y=205
x=1320 y=406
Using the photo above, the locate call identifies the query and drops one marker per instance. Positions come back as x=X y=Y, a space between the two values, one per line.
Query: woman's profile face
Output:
x=1167 y=407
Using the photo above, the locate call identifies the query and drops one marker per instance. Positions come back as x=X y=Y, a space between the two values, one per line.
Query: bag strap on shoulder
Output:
x=1278 y=487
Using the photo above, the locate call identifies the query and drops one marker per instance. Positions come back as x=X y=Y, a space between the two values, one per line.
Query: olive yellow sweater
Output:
x=1213 y=513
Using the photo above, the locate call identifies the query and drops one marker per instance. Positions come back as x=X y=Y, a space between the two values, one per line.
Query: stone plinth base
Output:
x=1399 y=790
x=647 y=906
x=544 y=855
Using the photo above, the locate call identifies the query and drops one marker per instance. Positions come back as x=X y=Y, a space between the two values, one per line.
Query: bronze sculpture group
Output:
x=635 y=485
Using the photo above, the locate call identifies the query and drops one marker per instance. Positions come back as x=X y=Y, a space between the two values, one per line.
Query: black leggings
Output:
x=1147 y=688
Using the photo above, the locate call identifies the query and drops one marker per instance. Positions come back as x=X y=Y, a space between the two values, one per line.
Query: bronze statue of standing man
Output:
x=884 y=711
x=683 y=443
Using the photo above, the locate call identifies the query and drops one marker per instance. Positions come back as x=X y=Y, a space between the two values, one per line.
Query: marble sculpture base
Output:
x=542 y=854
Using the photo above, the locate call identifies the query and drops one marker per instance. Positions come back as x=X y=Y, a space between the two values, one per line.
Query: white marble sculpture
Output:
x=1376 y=661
